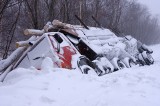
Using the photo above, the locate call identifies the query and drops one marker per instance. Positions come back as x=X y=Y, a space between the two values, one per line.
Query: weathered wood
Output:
x=48 y=27
x=27 y=50
x=25 y=43
x=69 y=31
x=4 y=74
x=60 y=25
x=33 y=32
x=12 y=58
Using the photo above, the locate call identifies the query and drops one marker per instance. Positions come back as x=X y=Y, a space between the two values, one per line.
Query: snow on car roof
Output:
x=98 y=32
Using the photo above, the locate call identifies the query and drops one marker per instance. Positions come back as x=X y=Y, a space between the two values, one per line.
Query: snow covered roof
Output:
x=94 y=32
x=137 y=86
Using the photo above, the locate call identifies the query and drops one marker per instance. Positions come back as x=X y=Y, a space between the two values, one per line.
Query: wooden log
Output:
x=33 y=32
x=4 y=74
x=25 y=43
x=69 y=31
x=48 y=27
x=12 y=58
x=27 y=50
x=59 y=24
x=9 y=64
x=63 y=27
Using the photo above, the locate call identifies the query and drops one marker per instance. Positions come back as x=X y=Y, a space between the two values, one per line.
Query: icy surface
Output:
x=138 y=86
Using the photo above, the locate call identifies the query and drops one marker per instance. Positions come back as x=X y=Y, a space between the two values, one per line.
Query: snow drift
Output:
x=137 y=86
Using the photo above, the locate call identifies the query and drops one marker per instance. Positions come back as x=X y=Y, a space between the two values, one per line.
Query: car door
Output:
x=64 y=49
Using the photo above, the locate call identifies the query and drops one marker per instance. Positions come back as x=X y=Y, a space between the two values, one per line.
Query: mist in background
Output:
x=123 y=17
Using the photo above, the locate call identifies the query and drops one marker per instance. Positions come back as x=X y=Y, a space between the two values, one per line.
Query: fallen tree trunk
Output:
x=59 y=24
x=4 y=74
x=26 y=51
x=33 y=32
x=11 y=59
x=25 y=43
x=48 y=27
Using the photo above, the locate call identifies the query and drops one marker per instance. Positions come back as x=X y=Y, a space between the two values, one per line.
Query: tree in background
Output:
x=9 y=16
x=123 y=17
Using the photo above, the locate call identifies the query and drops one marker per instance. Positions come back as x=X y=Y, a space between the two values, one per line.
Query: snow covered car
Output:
x=106 y=44
x=140 y=51
x=98 y=46
x=127 y=49
x=62 y=52
x=91 y=50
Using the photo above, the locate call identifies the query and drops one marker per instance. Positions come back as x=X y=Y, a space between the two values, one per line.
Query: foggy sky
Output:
x=153 y=5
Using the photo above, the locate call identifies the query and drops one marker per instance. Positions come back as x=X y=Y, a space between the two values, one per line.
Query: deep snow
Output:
x=138 y=86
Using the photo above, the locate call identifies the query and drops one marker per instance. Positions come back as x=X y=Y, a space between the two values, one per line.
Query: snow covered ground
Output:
x=138 y=86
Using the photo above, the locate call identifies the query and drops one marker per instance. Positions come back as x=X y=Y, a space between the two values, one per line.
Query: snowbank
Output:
x=138 y=86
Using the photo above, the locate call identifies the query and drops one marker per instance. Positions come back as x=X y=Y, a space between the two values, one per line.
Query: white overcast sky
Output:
x=153 y=5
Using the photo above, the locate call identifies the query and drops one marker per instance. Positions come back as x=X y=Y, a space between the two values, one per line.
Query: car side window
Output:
x=58 y=38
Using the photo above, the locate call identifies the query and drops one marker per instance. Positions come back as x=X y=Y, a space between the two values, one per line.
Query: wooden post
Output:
x=81 y=22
